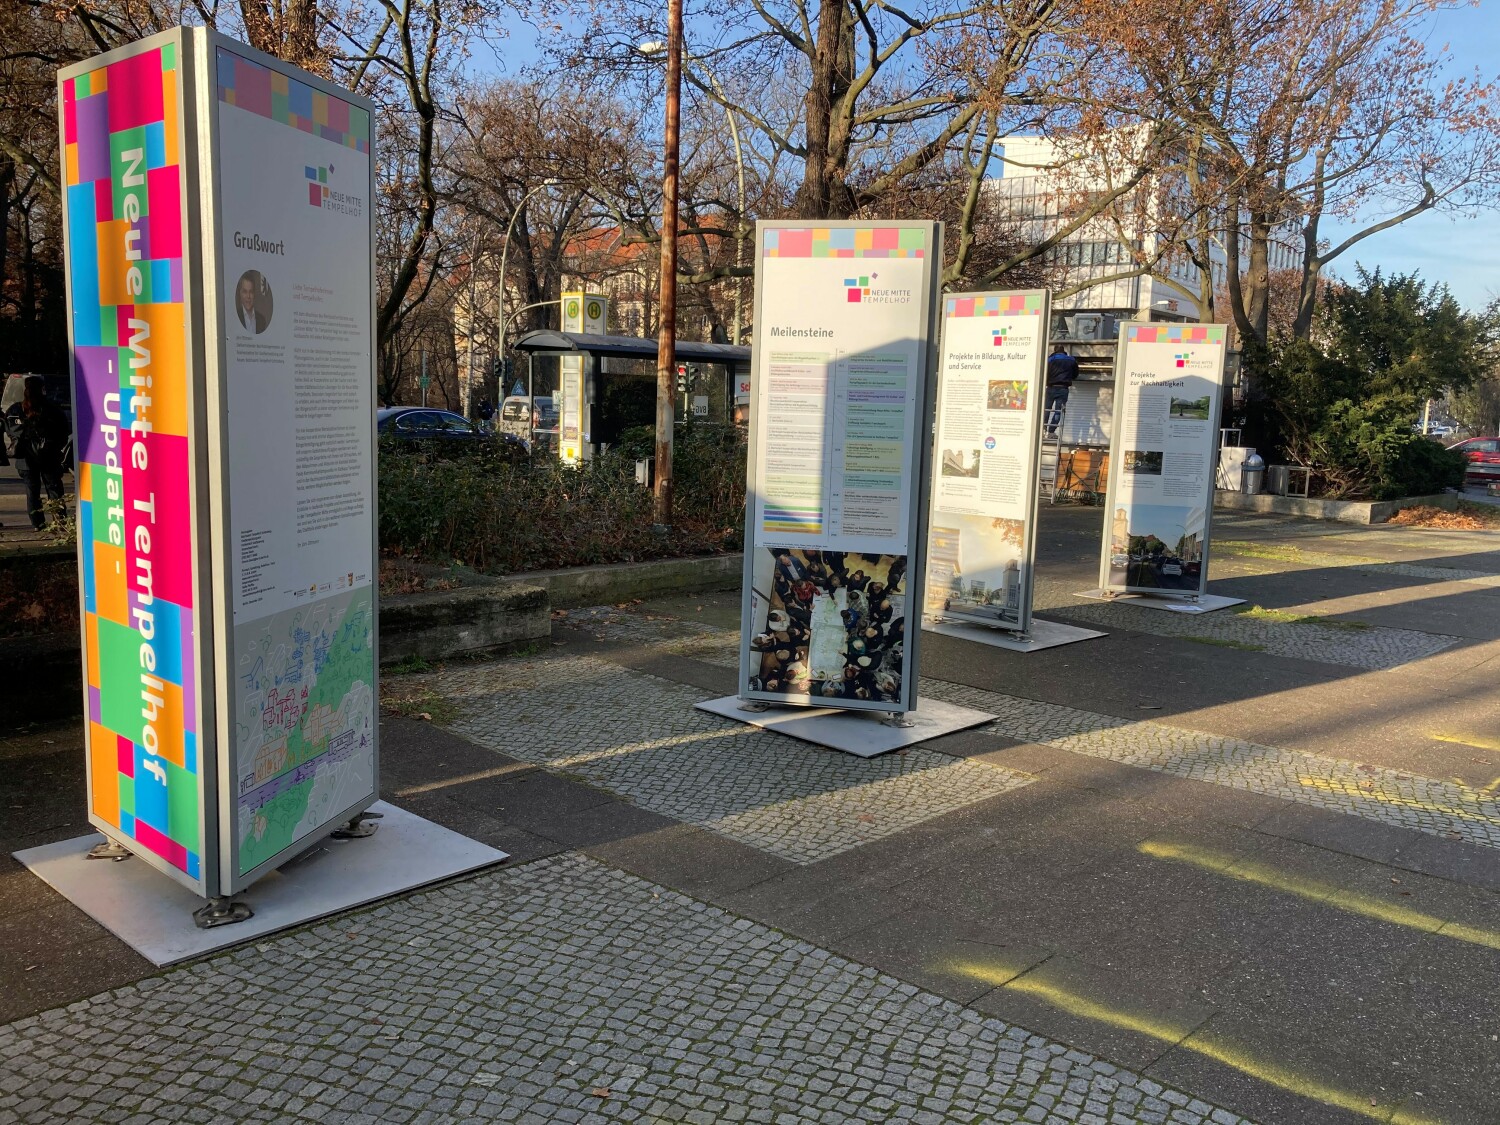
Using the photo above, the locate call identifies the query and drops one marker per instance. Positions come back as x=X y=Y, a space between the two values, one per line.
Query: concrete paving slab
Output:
x=487 y=828
x=153 y=914
x=603 y=824
x=1303 y=1083
x=1136 y=1020
x=1452 y=859
x=865 y=734
x=692 y=860
x=1349 y=835
x=937 y=951
x=68 y=973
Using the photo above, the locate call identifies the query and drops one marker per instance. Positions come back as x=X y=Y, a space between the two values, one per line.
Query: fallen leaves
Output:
x=1471 y=517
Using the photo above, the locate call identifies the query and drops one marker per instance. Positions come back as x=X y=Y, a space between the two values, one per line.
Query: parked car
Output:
x=419 y=423
x=1484 y=458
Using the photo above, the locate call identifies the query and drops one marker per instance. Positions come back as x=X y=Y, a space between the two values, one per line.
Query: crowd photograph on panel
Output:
x=835 y=626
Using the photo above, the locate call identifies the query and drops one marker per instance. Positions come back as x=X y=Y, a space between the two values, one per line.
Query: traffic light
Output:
x=507 y=369
x=682 y=378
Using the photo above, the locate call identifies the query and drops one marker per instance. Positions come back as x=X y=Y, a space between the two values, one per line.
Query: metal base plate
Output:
x=864 y=734
x=153 y=914
x=1044 y=634
x=1169 y=600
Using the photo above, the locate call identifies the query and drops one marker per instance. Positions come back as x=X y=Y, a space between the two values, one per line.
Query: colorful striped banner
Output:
x=1002 y=304
x=123 y=210
x=845 y=242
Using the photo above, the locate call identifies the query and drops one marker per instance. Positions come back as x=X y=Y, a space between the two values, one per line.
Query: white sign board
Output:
x=1168 y=384
x=581 y=312
x=840 y=411
x=991 y=379
x=293 y=222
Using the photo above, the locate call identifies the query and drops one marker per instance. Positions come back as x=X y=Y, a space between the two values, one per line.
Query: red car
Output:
x=1484 y=458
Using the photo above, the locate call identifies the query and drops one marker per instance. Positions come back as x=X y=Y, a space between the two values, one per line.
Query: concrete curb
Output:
x=606 y=585
x=482 y=617
x=1340 y=511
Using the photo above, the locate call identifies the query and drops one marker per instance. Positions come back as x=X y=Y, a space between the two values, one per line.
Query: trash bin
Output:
x=1252 y=474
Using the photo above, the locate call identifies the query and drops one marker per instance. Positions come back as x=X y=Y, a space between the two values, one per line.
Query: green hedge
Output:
x=504 y=516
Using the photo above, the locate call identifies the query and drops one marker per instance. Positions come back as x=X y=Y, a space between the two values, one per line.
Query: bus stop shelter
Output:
x=716 y=374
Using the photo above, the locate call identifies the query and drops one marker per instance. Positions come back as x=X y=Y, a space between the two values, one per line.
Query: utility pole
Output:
x=666 y=341
x=468 y=395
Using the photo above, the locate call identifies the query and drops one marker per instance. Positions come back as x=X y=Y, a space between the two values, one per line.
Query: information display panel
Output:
x=840 y=413
x=991 y=383
x=1168 y=385
x=293 y=301
x=219 y=238
x=131 y=302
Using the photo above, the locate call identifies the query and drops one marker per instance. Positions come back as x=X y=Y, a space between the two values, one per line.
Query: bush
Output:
x=1346 y=404
x=1359 y=439
x=1369 y=450
x=502 y=516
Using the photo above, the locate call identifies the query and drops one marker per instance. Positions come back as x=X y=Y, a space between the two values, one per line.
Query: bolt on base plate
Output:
x=754 y=706
x=898 y=719
x=108 y=850
x=359 y=827
x=221 y=911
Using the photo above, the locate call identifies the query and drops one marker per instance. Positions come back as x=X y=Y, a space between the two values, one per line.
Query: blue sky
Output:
x=1460 y=251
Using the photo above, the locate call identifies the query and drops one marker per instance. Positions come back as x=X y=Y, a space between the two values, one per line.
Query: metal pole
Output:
x=739 y=219
x=667 y=337
x=469 y=377
x=424 y=375
x=500 y=293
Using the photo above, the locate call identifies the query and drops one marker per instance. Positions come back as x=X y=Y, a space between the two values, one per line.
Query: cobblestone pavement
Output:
x=1375 y=648
x=560 y=991
x=640 y=737
x=1404 y=800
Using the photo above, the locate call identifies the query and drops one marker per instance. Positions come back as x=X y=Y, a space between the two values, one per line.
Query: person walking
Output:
x=1062 y=369
x=39 y=432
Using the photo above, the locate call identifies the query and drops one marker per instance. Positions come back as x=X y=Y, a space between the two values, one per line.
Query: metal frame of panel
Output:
x=917 y=462
x=1033 y=447
x=224 y=569
x=1216 y=333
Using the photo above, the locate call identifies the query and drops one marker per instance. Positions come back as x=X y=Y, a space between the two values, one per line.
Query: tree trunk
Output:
x=824 y=193
x=1258 y=276
x=1307 y=297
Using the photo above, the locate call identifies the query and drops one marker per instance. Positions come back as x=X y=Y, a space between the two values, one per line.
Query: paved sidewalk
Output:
x=563 y=991
x=1210 y=882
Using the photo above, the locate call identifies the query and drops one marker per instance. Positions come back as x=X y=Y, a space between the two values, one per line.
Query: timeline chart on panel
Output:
x=294 y=192
x=839 y=387
x=983 y=507
x=124 y=208
x=1167 y=396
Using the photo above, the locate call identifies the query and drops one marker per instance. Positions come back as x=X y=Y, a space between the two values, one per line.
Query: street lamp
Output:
x=504 y=254
x=666 y=340
x=655 y=47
